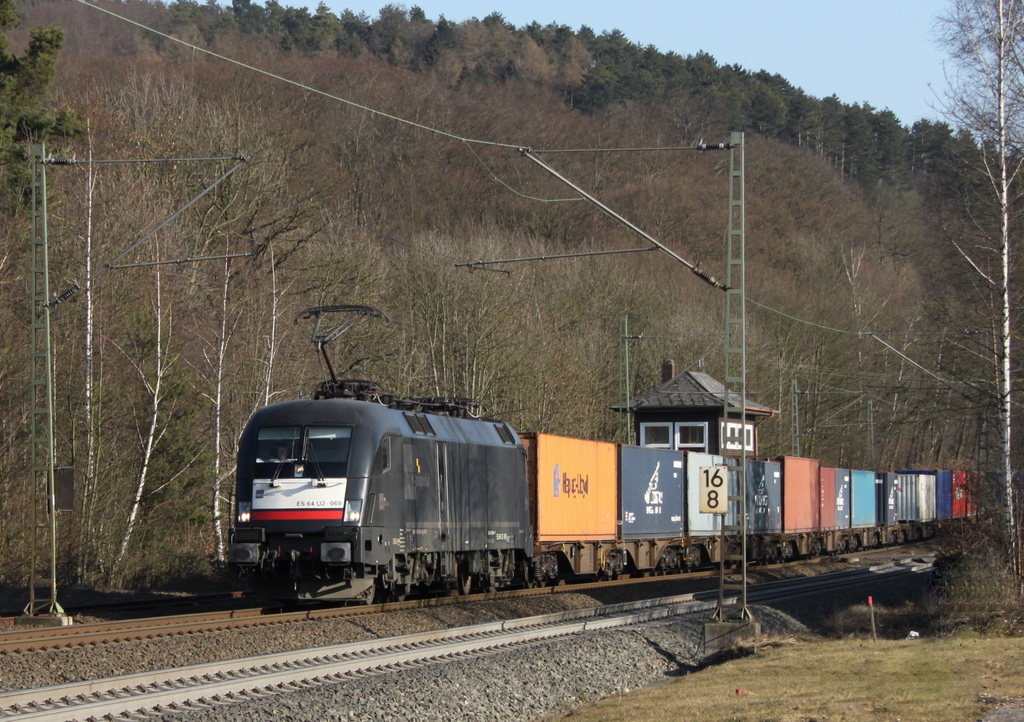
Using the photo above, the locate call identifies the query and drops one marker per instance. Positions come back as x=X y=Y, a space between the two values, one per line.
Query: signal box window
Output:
x=656 y=435
x=692 y=435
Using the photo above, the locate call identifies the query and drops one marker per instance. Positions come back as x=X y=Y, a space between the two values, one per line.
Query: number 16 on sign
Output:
x=714 y=491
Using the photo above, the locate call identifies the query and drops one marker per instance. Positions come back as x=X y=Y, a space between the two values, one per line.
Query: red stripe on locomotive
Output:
x=292 y=515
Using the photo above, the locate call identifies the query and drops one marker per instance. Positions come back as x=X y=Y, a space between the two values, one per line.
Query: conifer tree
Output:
x=23 y=83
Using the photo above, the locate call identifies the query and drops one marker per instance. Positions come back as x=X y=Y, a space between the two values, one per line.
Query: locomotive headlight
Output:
x=353 y=510
x=244 y=511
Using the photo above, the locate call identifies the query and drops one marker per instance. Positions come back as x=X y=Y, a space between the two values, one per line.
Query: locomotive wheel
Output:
x=464 y=580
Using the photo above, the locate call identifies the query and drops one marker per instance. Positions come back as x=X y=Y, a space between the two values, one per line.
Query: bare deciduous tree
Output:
x=985 y=40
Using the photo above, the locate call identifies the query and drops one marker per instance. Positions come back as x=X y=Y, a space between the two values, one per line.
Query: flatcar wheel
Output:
x=464 y=580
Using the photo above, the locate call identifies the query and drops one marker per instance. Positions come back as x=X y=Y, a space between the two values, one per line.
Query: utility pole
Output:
x=733 y=621
x=42 y=607
x=795 y=406
x=624 y=381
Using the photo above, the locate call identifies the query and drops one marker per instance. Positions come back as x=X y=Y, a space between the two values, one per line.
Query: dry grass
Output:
x=840 y=674
x=950 y=679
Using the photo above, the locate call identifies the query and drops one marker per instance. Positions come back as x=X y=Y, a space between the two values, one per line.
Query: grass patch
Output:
x=950 y=679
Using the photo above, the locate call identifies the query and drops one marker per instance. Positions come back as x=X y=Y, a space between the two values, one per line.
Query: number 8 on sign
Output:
x=714 y=492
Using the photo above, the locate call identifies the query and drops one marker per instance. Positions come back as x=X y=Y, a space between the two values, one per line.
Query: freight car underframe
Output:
x=561 y=560
x=315 y=569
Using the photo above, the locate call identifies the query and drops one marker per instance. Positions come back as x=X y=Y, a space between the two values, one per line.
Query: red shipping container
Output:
x=962 y=487
x=828 y=498
x=573 y=488
x=801 y=495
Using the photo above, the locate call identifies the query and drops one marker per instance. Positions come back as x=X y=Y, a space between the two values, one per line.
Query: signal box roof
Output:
x=690 y=390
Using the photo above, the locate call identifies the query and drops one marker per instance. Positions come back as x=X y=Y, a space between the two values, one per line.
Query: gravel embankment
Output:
x=528 y=683
x=523 y=684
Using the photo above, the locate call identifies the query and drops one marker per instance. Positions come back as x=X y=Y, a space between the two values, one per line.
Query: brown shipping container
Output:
x=801 y=495
x=573 y=488
x=828 y=498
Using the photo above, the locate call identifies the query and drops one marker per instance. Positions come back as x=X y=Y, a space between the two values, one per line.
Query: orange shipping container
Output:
x=801 y=495
x=573 y=488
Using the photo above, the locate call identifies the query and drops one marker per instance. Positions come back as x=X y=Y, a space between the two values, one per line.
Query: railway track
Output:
x=42 y=638
x=201 y=686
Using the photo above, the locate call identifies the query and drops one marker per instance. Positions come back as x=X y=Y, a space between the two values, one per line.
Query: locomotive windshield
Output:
x=296 y=451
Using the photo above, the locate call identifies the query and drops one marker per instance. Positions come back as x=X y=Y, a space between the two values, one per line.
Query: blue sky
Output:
x=879 y=51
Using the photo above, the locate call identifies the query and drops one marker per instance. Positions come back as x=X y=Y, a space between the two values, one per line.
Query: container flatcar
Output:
x=573 y=492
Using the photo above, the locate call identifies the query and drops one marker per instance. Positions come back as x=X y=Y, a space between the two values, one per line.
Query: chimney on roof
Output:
x=668 y=370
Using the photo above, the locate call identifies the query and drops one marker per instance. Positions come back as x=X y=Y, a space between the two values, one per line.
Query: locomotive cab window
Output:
x=278 y=444
x=327 y=450
x=286 y=451
x=384 y=455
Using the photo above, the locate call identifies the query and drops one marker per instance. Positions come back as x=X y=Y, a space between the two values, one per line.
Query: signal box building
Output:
x=685 y=412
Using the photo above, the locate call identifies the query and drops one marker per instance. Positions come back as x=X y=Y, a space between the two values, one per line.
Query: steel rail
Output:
x=205 y=685
x=24 y=640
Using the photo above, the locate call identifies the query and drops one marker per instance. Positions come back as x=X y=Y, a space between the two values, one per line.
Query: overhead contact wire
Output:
x=529 y=153
x=704 y=276
x=297 y=84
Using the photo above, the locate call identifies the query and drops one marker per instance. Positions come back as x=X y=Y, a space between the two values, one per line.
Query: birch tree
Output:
x=151 y=433
x=985 y=41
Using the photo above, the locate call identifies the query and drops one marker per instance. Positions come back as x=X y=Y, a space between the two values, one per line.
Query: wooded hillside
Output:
x=850 y=217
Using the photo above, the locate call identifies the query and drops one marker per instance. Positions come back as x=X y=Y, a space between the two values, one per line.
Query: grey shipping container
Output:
x=916 y=499
x=651 y=492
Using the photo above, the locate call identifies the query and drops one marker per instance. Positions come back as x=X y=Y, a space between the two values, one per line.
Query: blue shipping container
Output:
x=943 y=494
x=863 y=499
x=842 y=498
x=886 y=488
x=651 y=492
x=764 y=497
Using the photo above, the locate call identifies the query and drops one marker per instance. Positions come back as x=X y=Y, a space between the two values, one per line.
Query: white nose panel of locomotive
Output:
x=298 y=493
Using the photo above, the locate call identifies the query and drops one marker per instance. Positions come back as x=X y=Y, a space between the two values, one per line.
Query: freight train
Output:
x=363 y=497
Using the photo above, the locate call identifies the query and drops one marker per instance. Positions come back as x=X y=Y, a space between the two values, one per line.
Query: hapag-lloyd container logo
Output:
x=570 y=485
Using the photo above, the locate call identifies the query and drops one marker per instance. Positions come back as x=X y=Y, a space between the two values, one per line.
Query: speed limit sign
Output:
x=714 y=491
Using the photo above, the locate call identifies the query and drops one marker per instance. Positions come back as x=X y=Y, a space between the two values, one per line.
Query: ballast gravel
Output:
x=529 y=683
x=526 y=683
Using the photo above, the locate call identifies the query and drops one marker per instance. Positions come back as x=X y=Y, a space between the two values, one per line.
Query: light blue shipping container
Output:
x=863 y=499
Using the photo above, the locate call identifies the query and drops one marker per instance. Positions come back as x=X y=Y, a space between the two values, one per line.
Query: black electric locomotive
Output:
x=367 y=498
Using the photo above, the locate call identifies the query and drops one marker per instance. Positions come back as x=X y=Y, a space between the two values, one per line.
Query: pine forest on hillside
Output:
x=854 y=220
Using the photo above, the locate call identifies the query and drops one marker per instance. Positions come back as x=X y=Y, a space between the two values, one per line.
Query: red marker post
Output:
x=871 y=605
